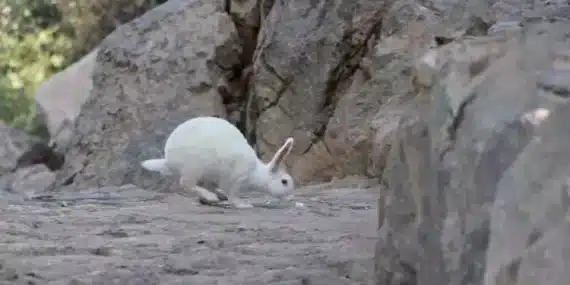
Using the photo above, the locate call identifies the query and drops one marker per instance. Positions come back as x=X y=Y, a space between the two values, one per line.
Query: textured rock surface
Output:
x=13 y=145
x=306 y=51
x=27 y=181
x=321 y=72
x=311 y=69
x=477 y=189
x=151 y=74
x=364 y=118
x=131 y=236
x=61 y=96
x=318 y=75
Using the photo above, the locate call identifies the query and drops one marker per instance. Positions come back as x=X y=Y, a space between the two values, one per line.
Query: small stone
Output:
x=360 y=207
x=103 y=251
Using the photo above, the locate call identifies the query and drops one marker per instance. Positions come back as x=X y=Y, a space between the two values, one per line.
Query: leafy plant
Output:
x=32 y=48
x=41 y=37
x=92 y=20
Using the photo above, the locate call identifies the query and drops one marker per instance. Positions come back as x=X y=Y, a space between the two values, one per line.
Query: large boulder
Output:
x=477 y=188
x=318 y=76
x=363 y=118
x=60 y=98
x=305 y=55
x=150 y=75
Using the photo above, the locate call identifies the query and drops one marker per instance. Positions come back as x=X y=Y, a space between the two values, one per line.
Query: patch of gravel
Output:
x=126 y=235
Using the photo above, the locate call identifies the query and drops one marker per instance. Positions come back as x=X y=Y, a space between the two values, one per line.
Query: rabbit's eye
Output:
x=284 y=182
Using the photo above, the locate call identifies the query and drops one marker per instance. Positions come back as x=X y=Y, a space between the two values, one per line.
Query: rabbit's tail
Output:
x=157 y=165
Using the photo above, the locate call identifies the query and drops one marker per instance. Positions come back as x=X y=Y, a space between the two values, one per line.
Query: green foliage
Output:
x=32 y=48
x=92 y=20
x=41 y=37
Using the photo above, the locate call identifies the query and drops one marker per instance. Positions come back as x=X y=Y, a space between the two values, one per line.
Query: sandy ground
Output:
x=138 y=237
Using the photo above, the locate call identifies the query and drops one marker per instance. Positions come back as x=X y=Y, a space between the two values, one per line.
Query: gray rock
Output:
x=477 y=188
x=150 y=75
x=13 y=144
x=19 y=149
x=305 y=53
x=325 y=76
x=59 y=102
x=29 y=181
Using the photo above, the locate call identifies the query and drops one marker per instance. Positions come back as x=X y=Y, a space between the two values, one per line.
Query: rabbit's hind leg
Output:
x=213 y=187
x=189 y=180
x=206 y=196
x=221 y=194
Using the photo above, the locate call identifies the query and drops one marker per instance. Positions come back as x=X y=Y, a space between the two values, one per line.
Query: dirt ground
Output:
x=126 y=235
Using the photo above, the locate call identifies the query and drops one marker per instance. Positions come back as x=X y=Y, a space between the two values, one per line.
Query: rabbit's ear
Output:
x=280 y=155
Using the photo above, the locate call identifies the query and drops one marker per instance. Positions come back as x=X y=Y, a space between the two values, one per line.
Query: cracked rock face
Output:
x=477 y=190
x=311 y=69
x=306 y=51
x=339 y=76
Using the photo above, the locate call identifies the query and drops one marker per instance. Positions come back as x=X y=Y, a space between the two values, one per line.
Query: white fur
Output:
x=213 y=150
x=158 y=165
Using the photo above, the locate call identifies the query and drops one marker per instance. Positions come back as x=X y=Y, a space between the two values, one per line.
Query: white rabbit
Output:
x=210 y=149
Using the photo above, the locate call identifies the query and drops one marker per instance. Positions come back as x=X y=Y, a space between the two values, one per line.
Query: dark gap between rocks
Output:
x=41 y=153
x=241 y=109
x=339 y=78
